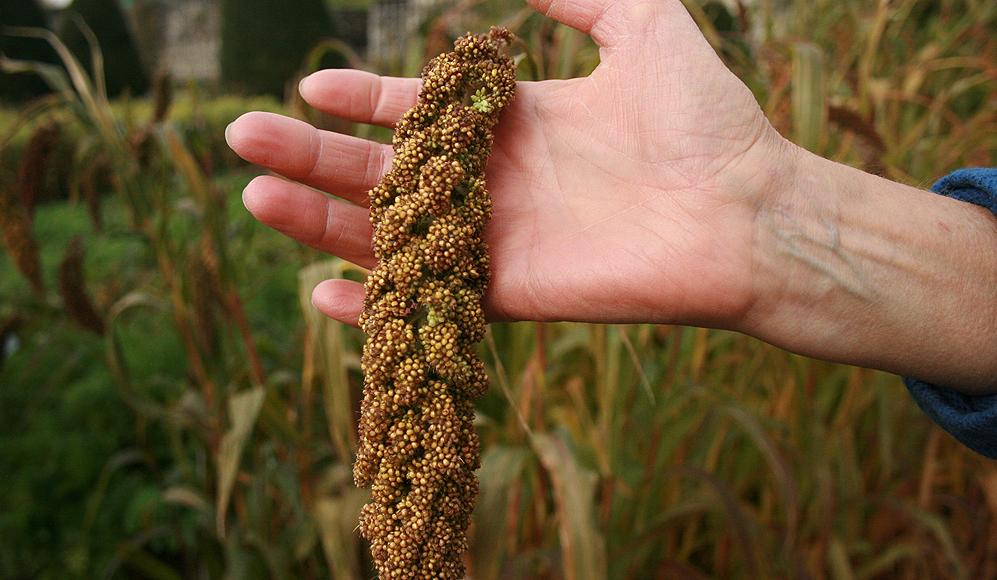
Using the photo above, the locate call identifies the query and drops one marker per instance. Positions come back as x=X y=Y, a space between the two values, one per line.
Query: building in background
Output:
x=180 y=37
x=391 y=23
x=183 y=37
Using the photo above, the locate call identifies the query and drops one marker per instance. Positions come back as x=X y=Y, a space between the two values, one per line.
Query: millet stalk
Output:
x=423 y=316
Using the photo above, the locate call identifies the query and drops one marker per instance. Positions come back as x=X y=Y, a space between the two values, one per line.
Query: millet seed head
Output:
x=423 y=316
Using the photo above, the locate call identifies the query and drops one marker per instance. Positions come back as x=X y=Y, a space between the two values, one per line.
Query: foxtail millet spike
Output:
x=34 y=165
x=72 y=288
x=423 y=315
x=17 y=234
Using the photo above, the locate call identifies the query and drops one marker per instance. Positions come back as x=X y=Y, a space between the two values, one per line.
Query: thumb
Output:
x=603 y=20
x=614 y=23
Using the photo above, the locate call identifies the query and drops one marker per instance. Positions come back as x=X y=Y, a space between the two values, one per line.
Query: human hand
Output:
x=628 y=195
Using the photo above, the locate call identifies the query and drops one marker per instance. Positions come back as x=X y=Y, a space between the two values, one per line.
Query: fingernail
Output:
x=301 y=85
x=228 y=129
x=315 y=299
x=246 y=196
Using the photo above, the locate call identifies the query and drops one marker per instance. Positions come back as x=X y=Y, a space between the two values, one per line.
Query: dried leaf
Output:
x=808 y=95
x=330 y=356
x=243 y=408
x=336 y=518
x=500 y=470
x=582 y=545
x=186 y=496
x=988 y=482
x=841 y=567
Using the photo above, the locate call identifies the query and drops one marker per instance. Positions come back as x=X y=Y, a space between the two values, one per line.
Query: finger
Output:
x=326 y=224
x=360 y=96
x=340 y=300
x=340 y=164
x=601 y=19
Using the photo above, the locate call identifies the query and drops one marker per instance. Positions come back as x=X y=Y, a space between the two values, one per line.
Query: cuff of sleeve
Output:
x=971 y=420
x=977 y=185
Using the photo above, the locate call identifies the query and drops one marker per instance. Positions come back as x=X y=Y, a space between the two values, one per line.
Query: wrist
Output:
x=766 y=172
x=765 y=178
x=853 y=268
x=780 y=208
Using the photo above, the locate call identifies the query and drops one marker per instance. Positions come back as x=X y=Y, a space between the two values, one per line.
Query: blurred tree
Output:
x=123 y=68
x=264 y=42
x=22 y=86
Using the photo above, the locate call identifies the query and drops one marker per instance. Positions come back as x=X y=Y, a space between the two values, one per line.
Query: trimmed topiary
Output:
x=265 y=42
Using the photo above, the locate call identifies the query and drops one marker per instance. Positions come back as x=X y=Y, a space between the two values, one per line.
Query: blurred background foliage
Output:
x=171 y=406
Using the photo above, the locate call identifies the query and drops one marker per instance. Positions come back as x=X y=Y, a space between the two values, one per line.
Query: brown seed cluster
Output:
x=72 y=288
x=423 y=316
x=16 y=231
x=35 y=163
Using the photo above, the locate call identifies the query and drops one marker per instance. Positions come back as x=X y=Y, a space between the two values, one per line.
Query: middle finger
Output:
x=343 y=165
x=324 y=223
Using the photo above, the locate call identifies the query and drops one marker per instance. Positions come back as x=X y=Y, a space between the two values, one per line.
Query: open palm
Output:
x=628 y=195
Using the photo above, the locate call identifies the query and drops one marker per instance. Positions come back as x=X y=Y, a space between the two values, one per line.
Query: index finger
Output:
x=360 y=96
x=343 y=165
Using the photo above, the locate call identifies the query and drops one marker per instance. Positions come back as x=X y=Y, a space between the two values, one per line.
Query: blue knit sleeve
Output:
x=971 y=420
